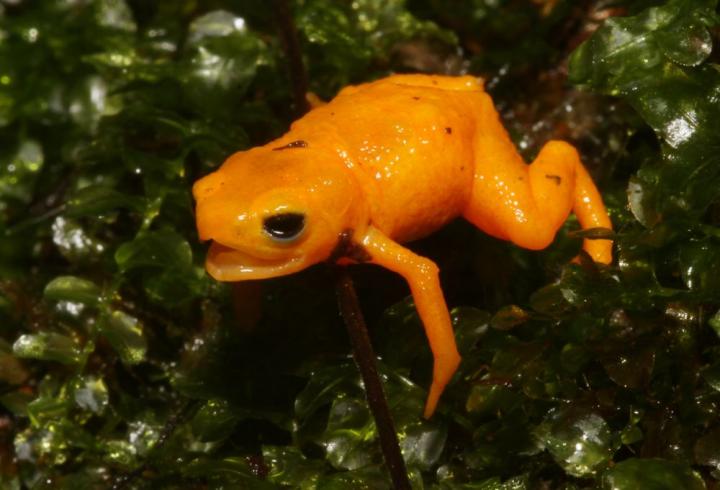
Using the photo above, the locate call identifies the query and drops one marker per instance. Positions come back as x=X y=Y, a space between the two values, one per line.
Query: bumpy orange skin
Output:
x=385 y=163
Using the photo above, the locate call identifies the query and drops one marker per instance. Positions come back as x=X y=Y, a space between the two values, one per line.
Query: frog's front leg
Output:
x=422 y=276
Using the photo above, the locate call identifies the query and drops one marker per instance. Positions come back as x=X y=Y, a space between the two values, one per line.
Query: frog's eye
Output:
x=284 y=227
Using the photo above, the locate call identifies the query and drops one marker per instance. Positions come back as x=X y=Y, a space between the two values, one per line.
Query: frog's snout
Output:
x=210 y=213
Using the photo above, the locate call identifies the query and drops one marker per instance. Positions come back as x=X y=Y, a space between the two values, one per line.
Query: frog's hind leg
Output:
x=527 y=204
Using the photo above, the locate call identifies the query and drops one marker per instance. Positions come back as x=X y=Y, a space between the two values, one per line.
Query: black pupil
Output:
x=284 y=226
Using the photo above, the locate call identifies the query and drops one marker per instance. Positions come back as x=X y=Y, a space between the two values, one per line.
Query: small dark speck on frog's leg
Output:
x=292 y=144
x=448 y=130
x=416 y=98
x=556 y=178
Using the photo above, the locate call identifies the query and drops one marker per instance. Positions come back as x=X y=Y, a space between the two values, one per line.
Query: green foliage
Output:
x=122 y=363
x=674 y=92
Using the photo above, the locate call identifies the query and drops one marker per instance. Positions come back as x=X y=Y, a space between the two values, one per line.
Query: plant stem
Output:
x=365 y=360
x=291 y=46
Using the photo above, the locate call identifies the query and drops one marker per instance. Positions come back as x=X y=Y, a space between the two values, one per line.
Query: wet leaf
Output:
x=89 y=102
x=224 y=55
x=553 y=300
x=48 y=346
x=631 y=435
x=707 y=449
x=631 y=369
x=115 y=14
x=45 y=409
x=580 y=442
x=120 y=453
x=155 y=249
x=469 y=325
x=605 y=60
x=16 y=402
x=97 y=199
x=176 y=286
x=214 y=421
x=348 y=440
x=72 y=288
x=574 y=357
x=365 y=479
x=324 y=386
x=686 y=39
x=18 y=171
x=422 y=444
x=712 y=375
x=641 y=198
x=514 y=483
x=646 y=58
x=343 y=38
x=653 y=474
x=700 y=265
x=508 y=317
x=234 y=471
x=91 y=394
x=487 y=399
x=714 y=322
x=289 y=467
x=125 y=334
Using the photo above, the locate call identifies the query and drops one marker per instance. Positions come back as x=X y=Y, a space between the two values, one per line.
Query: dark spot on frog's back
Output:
x=448 y=130
x=416 y=98
x=291 y=145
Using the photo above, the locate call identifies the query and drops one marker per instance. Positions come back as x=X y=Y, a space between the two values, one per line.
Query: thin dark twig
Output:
x=291 y=45
x=365 y=360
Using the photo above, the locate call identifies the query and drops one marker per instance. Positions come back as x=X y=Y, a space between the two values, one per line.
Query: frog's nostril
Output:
x=207 y=186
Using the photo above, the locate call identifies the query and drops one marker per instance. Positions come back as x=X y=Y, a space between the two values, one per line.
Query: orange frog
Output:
x=384 y=163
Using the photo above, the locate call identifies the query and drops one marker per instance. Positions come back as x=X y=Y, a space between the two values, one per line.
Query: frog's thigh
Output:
x=422 y=277
x=525 y=204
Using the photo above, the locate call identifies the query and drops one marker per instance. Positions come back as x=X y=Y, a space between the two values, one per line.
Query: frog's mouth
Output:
x=229 y=264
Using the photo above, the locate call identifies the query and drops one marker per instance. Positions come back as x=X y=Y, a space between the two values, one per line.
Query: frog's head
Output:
x=274 y=211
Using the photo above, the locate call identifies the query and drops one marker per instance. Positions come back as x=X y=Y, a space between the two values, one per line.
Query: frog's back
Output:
x=465 y=83
x=409 y=137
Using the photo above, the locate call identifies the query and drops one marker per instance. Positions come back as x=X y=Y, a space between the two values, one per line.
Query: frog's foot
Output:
x=443 y=370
